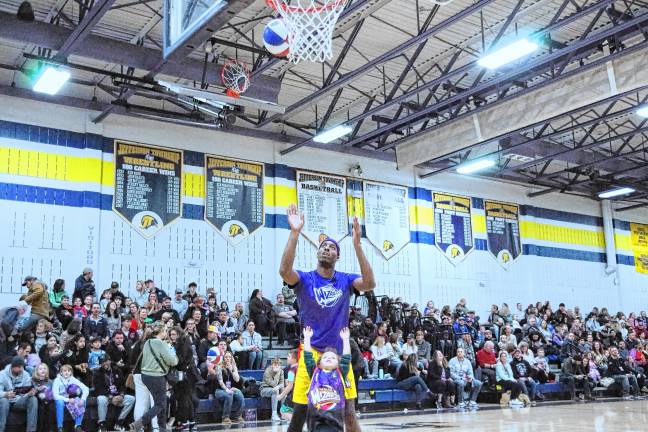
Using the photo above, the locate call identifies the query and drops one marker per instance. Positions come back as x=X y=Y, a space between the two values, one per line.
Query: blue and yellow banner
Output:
x=453 y=225
x=639 y=238
x=503 y=231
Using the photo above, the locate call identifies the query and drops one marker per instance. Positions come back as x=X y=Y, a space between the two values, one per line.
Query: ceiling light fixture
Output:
x=51 y=80
x=508 y=54
x=332 y=134
x=643 y=111
x=474 y=166
x=616 y=192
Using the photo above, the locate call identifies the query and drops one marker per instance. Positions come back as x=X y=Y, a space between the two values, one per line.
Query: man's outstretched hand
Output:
x=295 y=218
x=357 y=232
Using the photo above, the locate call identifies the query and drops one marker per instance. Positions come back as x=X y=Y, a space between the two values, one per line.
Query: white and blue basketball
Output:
x=275 y=38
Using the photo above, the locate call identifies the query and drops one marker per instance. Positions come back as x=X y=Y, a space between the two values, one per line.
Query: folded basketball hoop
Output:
x=310 y=27
x=236 y=78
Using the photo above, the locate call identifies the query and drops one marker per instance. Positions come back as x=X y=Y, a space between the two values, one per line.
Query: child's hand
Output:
x=345 y=334
x=308 y=332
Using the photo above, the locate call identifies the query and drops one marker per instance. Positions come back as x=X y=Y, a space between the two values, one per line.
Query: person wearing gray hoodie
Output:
x=17 y=392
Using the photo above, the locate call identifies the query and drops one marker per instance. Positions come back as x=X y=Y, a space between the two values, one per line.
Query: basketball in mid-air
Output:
x=275 y=38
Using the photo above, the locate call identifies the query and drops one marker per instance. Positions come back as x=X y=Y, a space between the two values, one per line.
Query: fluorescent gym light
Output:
x=332 y=134
x=51 y=80
x=478 y=165
x=643 y=111
x=507 y=54
x=616 y=192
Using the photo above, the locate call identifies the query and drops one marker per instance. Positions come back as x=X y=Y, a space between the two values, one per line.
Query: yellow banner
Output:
x=639 y=239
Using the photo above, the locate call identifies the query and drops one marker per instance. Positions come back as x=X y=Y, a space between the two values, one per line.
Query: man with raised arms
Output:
x=324 y=296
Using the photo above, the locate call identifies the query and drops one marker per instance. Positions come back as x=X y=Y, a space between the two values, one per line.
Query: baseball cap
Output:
x=28 y=279
x=114 y=285
x=17 y=361
x=178 y=291
x=410 y=336
x=87 y=270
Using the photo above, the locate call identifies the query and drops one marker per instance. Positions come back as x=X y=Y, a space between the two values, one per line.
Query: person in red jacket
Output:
x=486 y=361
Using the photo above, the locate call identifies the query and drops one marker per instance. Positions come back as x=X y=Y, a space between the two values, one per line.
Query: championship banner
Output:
x=453 y=226
x=386 y=217
x=148 y=186
x=234 y=197
x=639 y=236
x=503 y=231
x=322 y=200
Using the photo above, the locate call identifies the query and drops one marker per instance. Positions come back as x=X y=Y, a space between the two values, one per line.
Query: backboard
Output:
x=183 y=17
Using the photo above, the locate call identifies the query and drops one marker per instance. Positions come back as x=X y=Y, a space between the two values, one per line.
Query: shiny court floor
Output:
x=597 y=417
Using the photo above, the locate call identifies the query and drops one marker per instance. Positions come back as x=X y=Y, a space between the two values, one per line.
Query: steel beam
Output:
x=392 y=53
x=111 y=51
x=81 y=32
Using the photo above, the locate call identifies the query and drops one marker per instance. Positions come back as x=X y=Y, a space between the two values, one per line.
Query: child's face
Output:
x=329 y=361
x=66 y=373
x=96 y=345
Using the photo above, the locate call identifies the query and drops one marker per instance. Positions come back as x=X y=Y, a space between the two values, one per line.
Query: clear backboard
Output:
x=183 y=17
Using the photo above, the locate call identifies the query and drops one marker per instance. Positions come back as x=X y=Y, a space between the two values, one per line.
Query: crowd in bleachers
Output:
x=113 y=352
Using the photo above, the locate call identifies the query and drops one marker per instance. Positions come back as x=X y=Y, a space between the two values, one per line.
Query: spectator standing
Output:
x=84 y=285
x=157 y=358
x=192 y=292
x=462 y=374
x=140 y=296
x=13 y=382
x=37 y=298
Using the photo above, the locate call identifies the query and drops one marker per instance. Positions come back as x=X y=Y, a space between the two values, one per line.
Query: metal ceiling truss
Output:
x=456 y=98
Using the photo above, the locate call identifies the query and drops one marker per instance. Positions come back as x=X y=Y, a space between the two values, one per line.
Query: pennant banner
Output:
x=322 y=199
x=639 y=236
x=453 y=226
x=148 y=186
x=386 y=217
x=503 y=231
x=234 y=196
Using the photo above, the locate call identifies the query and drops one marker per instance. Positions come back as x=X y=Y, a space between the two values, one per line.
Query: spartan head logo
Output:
x=235 y=230
x=387 y=245
x=148 y=221
x=455 y=252
x=322 y=237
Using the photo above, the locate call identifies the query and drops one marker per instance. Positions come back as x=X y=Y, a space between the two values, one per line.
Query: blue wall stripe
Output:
x=621 y=224
x=481 y=244
x=625 y=260
x=562 y=216
x=571 y=254
x=478 y=203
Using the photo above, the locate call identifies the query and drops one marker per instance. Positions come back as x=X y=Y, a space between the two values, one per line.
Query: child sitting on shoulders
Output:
x=326 y=392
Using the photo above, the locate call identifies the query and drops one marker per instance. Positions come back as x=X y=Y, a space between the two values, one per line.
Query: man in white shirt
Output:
x=461 y=372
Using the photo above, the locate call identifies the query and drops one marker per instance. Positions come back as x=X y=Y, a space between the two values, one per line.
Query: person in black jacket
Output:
x=261 y=312
x=205 y=345
x=523 y=373
x=409 y=377
x=440 y=381
x=184 y=398
x=64 y=313
x=51 y=355
x=76 y=355
x=619 y=370
x=84 y=285
x=576 y=373
x=118 y=350
x=109 y=389
x=95 y=325
x=166 y=308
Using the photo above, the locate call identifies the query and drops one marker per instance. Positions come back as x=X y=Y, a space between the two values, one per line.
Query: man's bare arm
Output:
x=296 y=222
x=367 y=282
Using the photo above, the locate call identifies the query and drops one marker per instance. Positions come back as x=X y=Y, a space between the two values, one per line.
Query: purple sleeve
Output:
x=297 y=287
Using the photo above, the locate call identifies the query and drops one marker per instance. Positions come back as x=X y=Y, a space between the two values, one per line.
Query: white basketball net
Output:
x=310 y=26
x=236 y=77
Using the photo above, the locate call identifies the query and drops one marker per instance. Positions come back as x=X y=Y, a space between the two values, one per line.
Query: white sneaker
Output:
x=515 y=403
x=473 y=404
x=461 y=405
x=276 y=418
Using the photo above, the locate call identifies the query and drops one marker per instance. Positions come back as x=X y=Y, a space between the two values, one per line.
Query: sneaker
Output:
x=439 y=405
x=276 y=418
x=473 y=404
x=119 y=428
x=627 y=397
x=238 y=419
x=644 y=389
x=226 y=421
x=516 y=403
x=461 y=405
x=540 y=397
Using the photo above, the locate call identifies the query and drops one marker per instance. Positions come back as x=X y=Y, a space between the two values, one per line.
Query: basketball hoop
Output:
x=236 y=78
x=310 y=27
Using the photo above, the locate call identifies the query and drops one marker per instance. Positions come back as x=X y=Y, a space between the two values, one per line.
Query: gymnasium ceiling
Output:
x=404 y=75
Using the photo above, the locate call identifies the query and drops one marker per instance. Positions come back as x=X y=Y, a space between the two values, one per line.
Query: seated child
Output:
x=326 y=391
x=70 y=393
